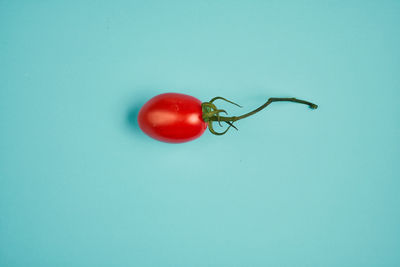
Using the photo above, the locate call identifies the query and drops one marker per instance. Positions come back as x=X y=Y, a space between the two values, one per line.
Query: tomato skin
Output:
x=172 y=118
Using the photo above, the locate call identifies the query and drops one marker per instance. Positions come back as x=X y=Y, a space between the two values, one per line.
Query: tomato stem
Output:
x=271 y=100
x=211 y=113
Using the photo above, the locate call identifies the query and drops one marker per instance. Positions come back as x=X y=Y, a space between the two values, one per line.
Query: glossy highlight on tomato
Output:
x=172 y=118
x=179 y=118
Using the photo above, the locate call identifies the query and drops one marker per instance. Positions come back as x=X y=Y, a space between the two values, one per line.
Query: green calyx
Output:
x=212 y=114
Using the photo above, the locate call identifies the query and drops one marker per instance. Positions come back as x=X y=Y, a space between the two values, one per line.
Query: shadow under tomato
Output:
x=131 y=118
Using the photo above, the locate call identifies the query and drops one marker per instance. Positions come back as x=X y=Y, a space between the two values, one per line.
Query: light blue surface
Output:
x=80 y=185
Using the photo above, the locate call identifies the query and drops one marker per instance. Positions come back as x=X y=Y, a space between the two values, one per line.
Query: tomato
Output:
x=179 y=118
x=172 y=118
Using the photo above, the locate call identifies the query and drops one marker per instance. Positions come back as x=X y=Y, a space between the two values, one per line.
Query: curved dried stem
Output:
x=211 y=113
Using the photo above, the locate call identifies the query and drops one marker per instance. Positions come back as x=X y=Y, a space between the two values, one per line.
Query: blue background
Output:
x=80 y=185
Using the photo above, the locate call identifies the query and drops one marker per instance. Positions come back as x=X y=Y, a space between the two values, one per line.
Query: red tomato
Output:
x=172 y=118
x=178 y=118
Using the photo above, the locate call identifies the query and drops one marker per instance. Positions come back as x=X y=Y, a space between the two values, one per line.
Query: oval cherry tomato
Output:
x=172 y=118
x=178 y=118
